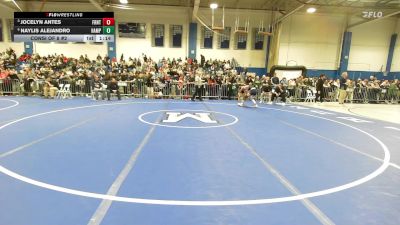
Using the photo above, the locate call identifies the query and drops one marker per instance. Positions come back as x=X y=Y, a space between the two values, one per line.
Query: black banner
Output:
x=40 y=22
x=58 y=30
x=55 y=15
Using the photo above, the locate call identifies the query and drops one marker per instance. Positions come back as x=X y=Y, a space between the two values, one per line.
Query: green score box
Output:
x=108 y=30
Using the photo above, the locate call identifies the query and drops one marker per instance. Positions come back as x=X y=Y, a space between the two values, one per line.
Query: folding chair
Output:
x=67 y=91
x=60 y=91
x=310 y=96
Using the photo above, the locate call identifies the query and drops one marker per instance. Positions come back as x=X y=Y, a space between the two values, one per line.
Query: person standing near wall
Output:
x=320 y=88
x=343 y=87
x=350 y=90
x=198 y=83
x=231 y=82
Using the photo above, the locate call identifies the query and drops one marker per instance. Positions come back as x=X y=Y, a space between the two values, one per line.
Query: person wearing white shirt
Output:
x=198 y=84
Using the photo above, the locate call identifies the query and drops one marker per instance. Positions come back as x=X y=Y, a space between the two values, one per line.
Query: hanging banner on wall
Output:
x=132 y=30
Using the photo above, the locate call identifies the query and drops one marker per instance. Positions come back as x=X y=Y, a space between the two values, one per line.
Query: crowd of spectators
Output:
x=41 y=74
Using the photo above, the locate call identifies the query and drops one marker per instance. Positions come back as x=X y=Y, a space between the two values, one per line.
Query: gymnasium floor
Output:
x=126 y=162
x=385 y=112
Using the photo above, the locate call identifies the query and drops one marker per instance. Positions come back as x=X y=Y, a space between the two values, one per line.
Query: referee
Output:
x=343 y=87
x=320 y=88
x=198 y=84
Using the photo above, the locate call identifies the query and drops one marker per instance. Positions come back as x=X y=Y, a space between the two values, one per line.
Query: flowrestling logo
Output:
x=372 y=14
x=182 y=118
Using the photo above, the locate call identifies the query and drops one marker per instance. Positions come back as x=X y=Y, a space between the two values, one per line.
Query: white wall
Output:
x=156 y=15
x=314 y=40
x=167 y=16
x=396 y=55
x=18 y=47
x=246 y=58
x=311 y=40
x=370 y=45
x=70 y=49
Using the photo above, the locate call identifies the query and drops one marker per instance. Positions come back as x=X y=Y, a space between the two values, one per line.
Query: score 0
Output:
x=108 y=22
x=108 y=25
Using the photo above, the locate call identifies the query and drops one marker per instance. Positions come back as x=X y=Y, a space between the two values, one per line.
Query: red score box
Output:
x=108 y=21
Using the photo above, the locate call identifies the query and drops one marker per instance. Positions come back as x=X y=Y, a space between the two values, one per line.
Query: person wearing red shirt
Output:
x=4 y=74
x=5 y=84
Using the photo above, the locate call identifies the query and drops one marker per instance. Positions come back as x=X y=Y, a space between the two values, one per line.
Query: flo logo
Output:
x=174 y=117
x=185 y=118
x=372 y=14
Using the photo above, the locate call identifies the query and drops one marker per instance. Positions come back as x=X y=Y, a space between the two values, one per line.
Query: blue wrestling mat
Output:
x=160 y=162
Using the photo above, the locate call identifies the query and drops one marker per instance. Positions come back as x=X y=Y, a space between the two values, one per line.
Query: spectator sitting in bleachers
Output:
x=50 y=88
x=97 y=87
x=113 y=87
x=170 y=76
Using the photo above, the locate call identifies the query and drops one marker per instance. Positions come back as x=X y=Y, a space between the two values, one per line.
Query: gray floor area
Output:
x=384 y=112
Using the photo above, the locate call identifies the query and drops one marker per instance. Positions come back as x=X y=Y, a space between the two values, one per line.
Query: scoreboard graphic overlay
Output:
x=64 y=26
